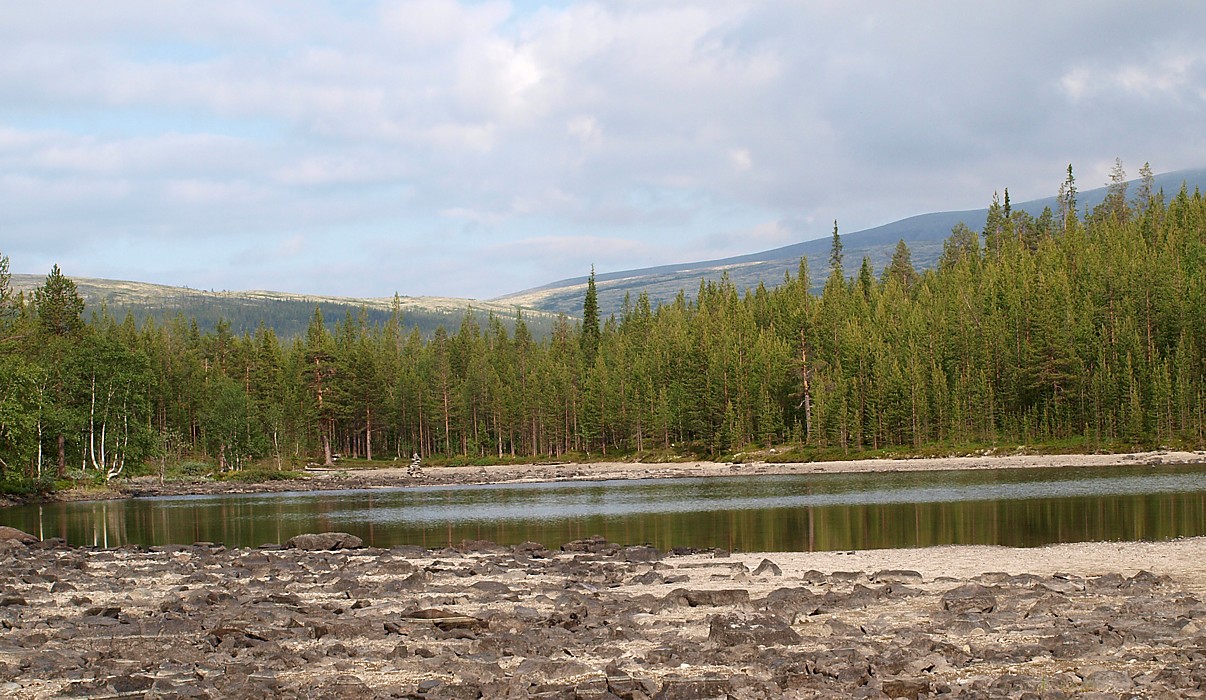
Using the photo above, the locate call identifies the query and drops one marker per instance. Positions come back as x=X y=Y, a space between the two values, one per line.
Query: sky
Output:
x=475 y=148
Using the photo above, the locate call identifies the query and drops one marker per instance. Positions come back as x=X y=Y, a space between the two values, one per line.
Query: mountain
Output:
x=924 y=234
x=290 y=314
x=287 y=314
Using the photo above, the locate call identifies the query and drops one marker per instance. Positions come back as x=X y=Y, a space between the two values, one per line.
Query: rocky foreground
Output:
x=323 y=618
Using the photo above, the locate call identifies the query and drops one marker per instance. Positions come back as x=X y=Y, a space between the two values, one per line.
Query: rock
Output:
x=112 y=611
x=792 y=601
x=896 y=576
x=531 y=549
x=595 y=544
x=717 y=598
x=481 y=546
x=648 y=578
x=12 y=533
x=443 y=619
x=135 y=683
x=324 y=541
x=768 y=567
x=641 y=554
x=970 y=597
x=1107 y=680
x=759 y=630
x=906 y=687
x=493 y=588
x=694 y=689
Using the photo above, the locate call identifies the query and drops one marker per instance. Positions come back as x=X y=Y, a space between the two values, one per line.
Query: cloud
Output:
x=506 y=143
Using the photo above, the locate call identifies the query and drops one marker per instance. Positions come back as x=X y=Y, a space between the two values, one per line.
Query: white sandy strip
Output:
x=641 y=470
x=1184 y=560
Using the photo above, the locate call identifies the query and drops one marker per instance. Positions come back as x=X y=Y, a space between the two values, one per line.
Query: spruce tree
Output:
x=901 y=267
x=590 y=321
x=1067 y=200
x=60 y=308
x=835 y=251
x=1146 y=187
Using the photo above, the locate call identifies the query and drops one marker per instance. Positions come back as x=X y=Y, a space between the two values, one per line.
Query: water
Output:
x=1019 y=508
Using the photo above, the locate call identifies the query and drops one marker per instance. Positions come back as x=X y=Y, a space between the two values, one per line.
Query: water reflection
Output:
x=831 y=512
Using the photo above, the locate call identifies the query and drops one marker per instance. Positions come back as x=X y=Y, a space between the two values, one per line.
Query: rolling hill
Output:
x=924 y=234
x=289 y=314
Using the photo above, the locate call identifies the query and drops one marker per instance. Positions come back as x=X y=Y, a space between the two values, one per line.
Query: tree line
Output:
x=1070 y=327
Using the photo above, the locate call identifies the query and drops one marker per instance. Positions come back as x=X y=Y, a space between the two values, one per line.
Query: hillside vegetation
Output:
x=1057 y=330
x=287 y=315
x=923 y=233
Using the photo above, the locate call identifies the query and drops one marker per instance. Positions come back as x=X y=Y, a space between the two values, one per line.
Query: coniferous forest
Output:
x=1081 y=329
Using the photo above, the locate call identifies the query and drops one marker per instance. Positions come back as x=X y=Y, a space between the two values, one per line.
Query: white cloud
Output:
x=622 y=133
x=741 y=159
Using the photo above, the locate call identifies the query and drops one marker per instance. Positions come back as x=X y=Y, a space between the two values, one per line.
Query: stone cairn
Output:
x=415 y=469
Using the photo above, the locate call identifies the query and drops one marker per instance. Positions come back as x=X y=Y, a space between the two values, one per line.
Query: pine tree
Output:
x=60 y=308
x=866 y=278
x=1145 y=193
x=590 y=321
x=963 y=243
x=901 y=267
x=319 y=371
x=1067 y=200
x=1114 y=205
x=835 y=252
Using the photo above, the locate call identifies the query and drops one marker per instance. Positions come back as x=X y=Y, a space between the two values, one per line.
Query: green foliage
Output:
x=1058 y=333
x=590 y=321
x=60 y=307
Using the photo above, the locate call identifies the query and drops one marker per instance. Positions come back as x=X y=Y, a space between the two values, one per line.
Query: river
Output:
x=1011 y=507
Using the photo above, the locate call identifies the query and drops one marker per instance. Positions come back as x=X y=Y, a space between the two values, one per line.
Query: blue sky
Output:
x=436 y=147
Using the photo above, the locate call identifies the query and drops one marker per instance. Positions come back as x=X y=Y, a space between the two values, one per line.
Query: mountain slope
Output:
x=924 y=234
x=287 y=314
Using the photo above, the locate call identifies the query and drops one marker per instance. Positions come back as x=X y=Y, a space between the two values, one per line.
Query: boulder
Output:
x=708 y=598
x=768 y=567
x=12 y=533
x=324 y=541
x=694 y=689
x=595 y=544
x=759 y=630
x=969 y=598
x=641 y=554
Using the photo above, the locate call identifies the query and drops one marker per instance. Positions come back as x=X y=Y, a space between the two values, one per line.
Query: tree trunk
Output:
x=807 y=387
x=368 y=434
x=61 y=472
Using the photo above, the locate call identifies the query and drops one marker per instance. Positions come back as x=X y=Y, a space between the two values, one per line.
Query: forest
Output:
x=1070 y=330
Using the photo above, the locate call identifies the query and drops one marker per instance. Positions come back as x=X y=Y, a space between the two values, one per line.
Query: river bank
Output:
x=598 y=620
x=397 y=477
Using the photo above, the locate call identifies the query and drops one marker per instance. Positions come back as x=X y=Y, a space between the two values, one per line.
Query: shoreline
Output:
x=337 y=478
x=396 y=477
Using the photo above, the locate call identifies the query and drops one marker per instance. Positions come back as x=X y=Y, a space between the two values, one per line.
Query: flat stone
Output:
x=760 y=630
x=971 y=597
x=324 y=541
x=641 y=554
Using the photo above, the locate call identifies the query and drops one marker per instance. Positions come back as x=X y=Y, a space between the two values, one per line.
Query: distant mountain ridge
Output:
x=923 y=233
x=287 y=314
x=290 y=314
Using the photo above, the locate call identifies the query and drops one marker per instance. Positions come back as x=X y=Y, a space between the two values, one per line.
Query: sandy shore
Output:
x=600 y=620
